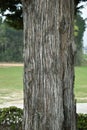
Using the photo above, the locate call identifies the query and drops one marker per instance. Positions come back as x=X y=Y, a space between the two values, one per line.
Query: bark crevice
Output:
x=48 y=65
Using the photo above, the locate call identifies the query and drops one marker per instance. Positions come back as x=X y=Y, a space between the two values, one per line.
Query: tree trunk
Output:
x=48 y=65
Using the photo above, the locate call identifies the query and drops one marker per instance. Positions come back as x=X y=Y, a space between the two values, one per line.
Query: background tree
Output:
x=11 y=44
x=76 y=3
x=79 y=31
x=12 y=10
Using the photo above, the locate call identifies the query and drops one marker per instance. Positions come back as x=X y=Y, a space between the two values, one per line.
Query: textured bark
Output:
x=48 y=65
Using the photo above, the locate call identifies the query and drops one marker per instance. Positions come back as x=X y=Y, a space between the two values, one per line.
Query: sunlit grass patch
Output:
x=11 y=83
x=81 y=83
x=11 y=78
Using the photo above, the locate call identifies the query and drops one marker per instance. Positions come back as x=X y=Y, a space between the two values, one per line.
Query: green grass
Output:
x=11 y=80
x=11 y=84
x=81 y=83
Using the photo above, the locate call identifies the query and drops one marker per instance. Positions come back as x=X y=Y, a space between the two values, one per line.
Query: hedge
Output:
x=11 y=119
x=82 y=122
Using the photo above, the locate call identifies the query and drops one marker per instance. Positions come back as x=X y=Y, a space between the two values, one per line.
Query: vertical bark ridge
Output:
x=48 y=68
x=67 y=56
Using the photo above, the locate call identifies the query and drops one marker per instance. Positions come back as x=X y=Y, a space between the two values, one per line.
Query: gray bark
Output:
x=48 y=65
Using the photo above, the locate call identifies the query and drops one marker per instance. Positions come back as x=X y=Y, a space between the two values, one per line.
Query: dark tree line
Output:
x=11 y=44
x=80 y=26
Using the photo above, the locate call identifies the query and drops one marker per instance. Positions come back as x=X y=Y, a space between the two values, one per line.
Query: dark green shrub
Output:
x=82 y=121
x=11 y=118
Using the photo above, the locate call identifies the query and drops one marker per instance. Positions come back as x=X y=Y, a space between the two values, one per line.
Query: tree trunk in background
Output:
x=48 y=65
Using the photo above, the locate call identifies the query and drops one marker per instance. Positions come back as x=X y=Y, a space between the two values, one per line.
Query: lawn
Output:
x=11 y=78
x=11 y=83
x=81 y=83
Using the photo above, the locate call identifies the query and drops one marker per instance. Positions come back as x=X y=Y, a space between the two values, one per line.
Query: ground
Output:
x=15 y=98
x=10 y=64
x=11 y=98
